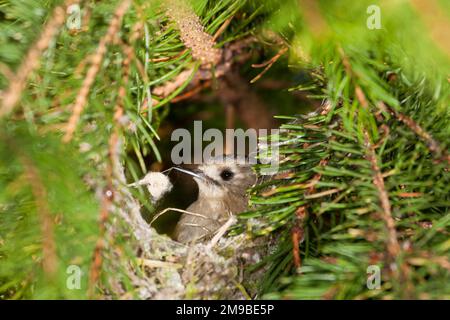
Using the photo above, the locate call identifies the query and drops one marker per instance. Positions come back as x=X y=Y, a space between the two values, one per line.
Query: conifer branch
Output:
x=96 y=61
x=11 y=96
x=433 y=145
x=49 y=256
x=268 y=64
x=114 y=154
x=192 y=32
x=393 y=247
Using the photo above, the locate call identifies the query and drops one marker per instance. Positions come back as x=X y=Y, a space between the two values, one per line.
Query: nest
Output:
x=166 y=269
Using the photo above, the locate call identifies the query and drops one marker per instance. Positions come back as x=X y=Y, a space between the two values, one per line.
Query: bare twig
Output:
x=170 y=86
x=189 y=94
x=361 y=97
x=268 y=64
x=164 y=59
x=178 y=210
x=221 y=231
x=297 y=235
x=410 y=194
x=96 y=62
x=150 y=263
x=114 y=154
x=431 y=143
x=97 y=259
x=322 y=194
x=393 y=246
x=50 y=260
x=400 y=271
x=197 y=226
x=222 y=28
x=231 y=55
x=301 y=213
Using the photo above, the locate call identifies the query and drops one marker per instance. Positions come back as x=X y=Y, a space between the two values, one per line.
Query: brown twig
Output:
x=108 y=194
x=410 y=194
x=400 y=271
x=230 y=55
x=297 y=235
x=393 y=246
x=97 y=259
x=361 y=97
x=106 y=204
x=170 y=86
x=79 y=69
x=252 y=110
x=96 y=61
x=189 y=94
x=164 y=59
x=50 y=260
x=268 y=64
x=129 y=55
x=386 y=131
x=13 y=93
x=297 y=231
x=322 y=194
x=430 y=142
x=222 y=28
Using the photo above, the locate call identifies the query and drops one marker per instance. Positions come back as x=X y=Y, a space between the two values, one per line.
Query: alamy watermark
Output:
x=373 y=277
x=74 y=274
x=74 y=17
x=373 y=21
x=255 y=145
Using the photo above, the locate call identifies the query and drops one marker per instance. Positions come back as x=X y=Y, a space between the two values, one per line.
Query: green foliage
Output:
x=71 y=209
x=73 y=176
x=340 y=217
x=44 y=181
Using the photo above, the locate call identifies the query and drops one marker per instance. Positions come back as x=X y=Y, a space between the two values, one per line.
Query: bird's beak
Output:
x=194 y=173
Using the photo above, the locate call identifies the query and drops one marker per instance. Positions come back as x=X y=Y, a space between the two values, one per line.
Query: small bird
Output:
x=222 y=185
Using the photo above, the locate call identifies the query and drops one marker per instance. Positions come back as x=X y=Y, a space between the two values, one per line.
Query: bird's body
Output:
x=216 y=210
x=222 y=192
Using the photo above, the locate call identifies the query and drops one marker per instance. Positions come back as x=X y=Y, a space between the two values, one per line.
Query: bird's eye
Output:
x=226 y=174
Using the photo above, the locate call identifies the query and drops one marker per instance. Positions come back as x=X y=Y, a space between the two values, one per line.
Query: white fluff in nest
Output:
x=157 y=184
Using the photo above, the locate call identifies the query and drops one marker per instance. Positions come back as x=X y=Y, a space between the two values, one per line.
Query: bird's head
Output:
x=218 y=176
